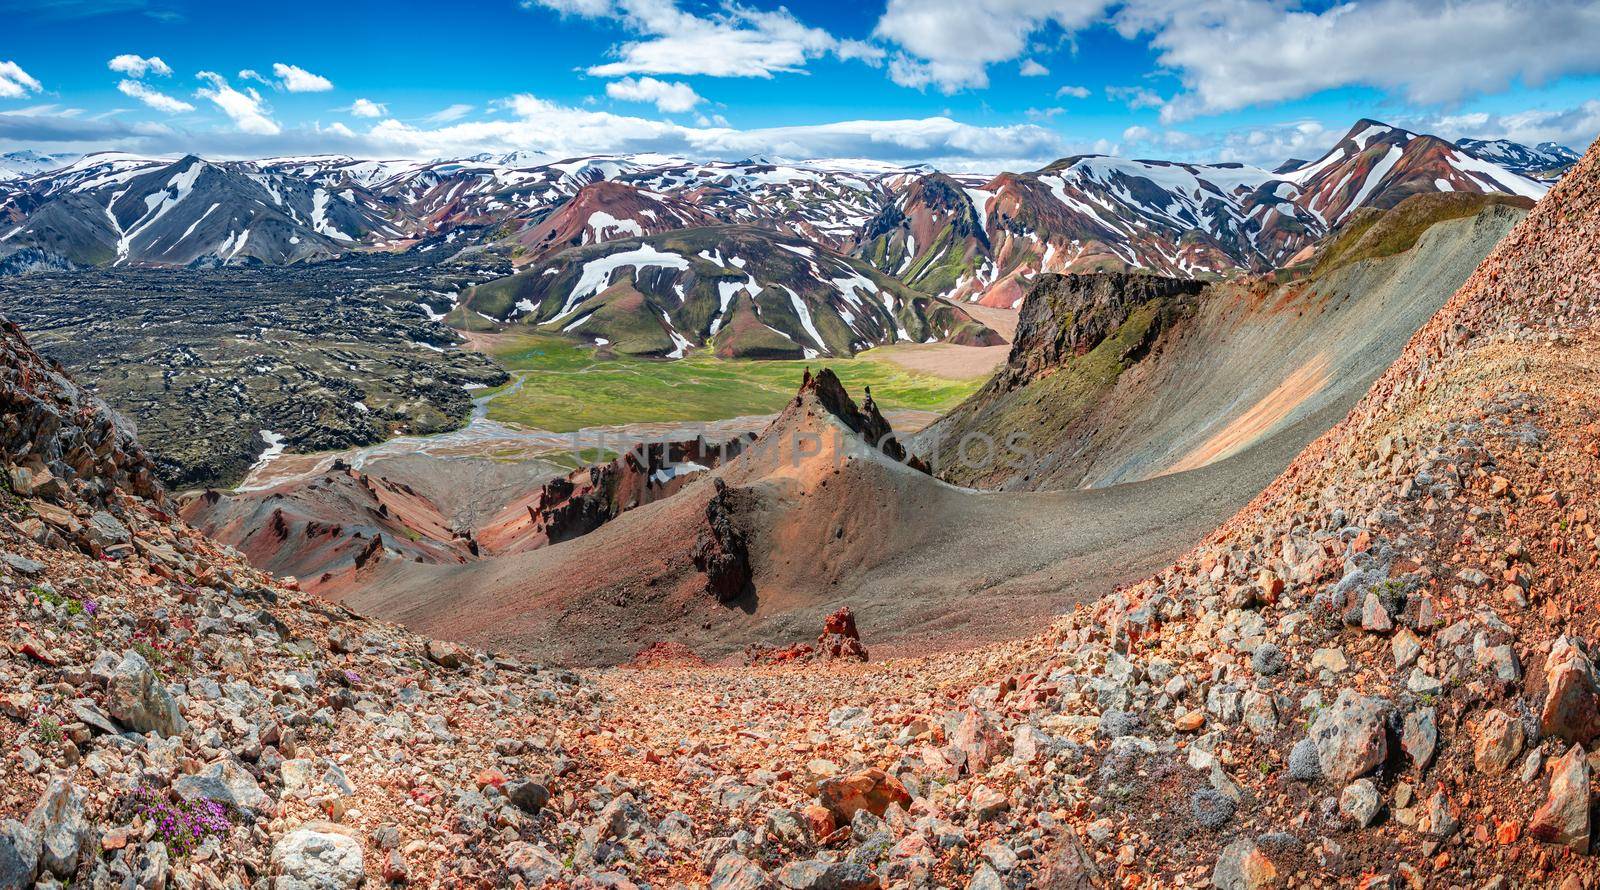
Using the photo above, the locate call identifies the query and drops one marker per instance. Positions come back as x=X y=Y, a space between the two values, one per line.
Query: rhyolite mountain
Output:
x=1545 y=161
x=954 y=235
x=742 y=291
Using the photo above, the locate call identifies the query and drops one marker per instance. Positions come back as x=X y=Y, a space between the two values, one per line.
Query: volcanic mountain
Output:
x=1117 y=378
x=741 y=291
x=113 y=209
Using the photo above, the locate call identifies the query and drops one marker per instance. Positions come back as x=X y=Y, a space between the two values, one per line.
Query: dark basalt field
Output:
x=327 y=355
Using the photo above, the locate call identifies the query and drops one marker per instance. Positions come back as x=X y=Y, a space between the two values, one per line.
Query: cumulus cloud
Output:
x=16 y=83
x=1573 y=127
x=950 y=44
x=368 y=108
x=137 y=66
x=154 y=98
x=1032 y=68
x=539 y=125
x=1240 y=53
x=670 y=98
x=1135 y=97
x=1252 y=52
x=246 y=109
x=735 y=41
x=1075 y=92
x=298 y=80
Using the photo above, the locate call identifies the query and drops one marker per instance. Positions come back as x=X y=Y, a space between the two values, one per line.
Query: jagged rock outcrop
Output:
x=721 y=550
x=55 y=437
x=1066 y=316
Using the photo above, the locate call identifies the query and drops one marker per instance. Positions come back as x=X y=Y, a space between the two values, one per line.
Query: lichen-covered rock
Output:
x=138 y=699
x=1350 y=736
x=317 y=856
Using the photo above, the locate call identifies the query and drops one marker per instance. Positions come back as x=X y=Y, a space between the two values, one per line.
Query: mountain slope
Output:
x=1115 y=379
x=743 y=291
x=1545 y=161
x=118 y=211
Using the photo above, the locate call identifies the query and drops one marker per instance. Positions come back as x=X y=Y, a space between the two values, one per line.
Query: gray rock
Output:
x=105 y=530
x=1242 y=866
x=1211 y=808
x=1563 y=818
x=62 y=826
x=21 y=564
x=1350 y=736
x=528 y=795
x=986 y=878
x=1419 y=736
x=136 y=698
x=734 y=871
x=1115 y=724
x=1360 y=802
x=1267 y=660
x=317 y=856
x=225 y=782
x=19 y=854
x=818 y=875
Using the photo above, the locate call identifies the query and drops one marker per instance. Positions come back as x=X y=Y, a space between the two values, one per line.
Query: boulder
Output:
x=1564 y=816
x=1350 y=737
x=734 y=871
x=61 y=826
x=317 y=856
x=1571 y=708
x=872 y=790
x=225 y=782
x=1242 y=866
x=1499 y=740
x=19 y=854
x=136 y=698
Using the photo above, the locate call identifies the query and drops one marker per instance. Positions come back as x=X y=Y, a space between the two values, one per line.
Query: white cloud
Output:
x=246 y=109
x=298 y=80
x=539 y=125
x=154 y=98
x=1574 y=127
x=1075 y=92
x=1135 y=97
x=136 y=66
x=1234 y=54
x=1253 y=52
x=950 y=44
x=449 y=113
x=736 y=41
x=669 y=98
x=16 y=83
x=368 y=108
x=1031 y=68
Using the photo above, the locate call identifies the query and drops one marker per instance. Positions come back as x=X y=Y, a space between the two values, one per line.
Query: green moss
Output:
x=566 y=387
x=1373 y=234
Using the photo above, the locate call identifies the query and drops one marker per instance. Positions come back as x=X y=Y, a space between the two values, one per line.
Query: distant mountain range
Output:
x=955 y=236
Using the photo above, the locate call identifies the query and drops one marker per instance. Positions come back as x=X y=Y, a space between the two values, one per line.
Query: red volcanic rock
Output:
x=871 y=790
x=839 y=637
x=665 y=653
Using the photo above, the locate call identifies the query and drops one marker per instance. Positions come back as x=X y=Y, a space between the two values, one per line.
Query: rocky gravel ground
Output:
x=1380 y=674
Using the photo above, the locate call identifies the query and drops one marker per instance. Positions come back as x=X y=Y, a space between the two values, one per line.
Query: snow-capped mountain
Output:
x=17 y=164
x=959 y=236
x=1545 y=161
x=112 y=209
x=742 y=291
x=1094 y=212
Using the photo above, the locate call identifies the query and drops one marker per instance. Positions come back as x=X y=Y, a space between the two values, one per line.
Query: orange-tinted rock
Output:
x=871 y=790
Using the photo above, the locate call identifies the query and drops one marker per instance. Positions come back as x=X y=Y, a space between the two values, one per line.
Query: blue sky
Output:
x=976 y=84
